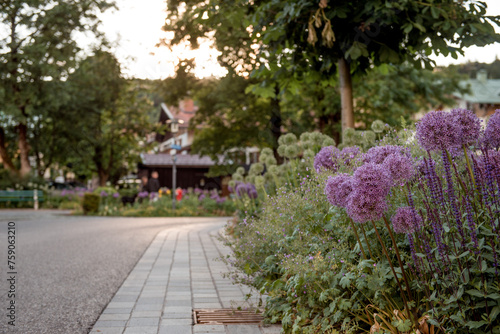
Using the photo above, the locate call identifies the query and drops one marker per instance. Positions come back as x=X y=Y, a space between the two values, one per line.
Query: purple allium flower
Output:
x=468 y=124
x=363 y=208
x=406 y=220
x=492 y=132
x=104 y=193
x=437 y=131
x=350 y=153
x=400 y=167
x=338 y=188
x=372 y=180
x=378 y=154
x=201 y=197
x=324 y=160
x=220 y=200
x=116 y=195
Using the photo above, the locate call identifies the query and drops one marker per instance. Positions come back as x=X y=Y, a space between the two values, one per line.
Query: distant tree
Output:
x=37 y=49
x=350 y=37
x=110 y=118
x=471 y=69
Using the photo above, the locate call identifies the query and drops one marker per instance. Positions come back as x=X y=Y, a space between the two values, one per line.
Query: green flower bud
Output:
x=281 y=150
x=306 y=136
x=378 y=126
x=270 y=160
x=349 y=136
x=316 y=138
x=328 y=142
x=240 y=170
x=292 y=151
x=250 y=179
x=259 y=181
x=369 y=137
x=309 y=154
x=289 y=139
x=237 y=177
x=231 y=183
x=264 y=154
x=273 y=170
x=256 y=168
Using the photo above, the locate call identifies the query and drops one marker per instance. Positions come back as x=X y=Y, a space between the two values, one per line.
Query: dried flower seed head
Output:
x=308 y=154
x=292 y=151
x=306 y=136
x=287 y=139
x=369 y=137
x=378 y=126
x=270 y=160
x=349 y=136
x=256 y=168
x=240 y=170
x=328 y=142
x=492 y=132
x=281 y=150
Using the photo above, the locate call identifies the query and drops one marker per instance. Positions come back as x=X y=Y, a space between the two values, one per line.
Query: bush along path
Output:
x=393 y=232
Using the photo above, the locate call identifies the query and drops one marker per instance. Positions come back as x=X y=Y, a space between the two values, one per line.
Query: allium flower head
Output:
x=363 y=208
x=104 y=193
x=400 y=167
x=338 y=188
x=287 y=139
x=292 y=151
x=350 y=153
x=349 y=136
x=256 y=168
x=328 y=142
x=240 y=170
x=372 y=180
x=270 y=160
x=378 y=154
x=406 y=220
x=437 y=131
x=369 y=137
x=308 y=154
x=116 y=195
x=468 y=124
x=492 y=132
x=281 y=150
x=324 y=160
x=305 y=137
x=378 y=126
x=316 y=138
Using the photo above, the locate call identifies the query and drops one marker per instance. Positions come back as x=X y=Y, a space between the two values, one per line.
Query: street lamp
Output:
x=174 y=128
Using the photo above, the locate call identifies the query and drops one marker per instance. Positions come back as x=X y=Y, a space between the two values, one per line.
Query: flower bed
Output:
x=397 y=236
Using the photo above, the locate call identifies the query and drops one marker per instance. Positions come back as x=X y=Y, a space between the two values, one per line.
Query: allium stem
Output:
x=367 y=243
x=410 y=315
x=357 y=237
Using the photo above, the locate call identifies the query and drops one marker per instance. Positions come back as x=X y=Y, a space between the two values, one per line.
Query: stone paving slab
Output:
x=178 y=272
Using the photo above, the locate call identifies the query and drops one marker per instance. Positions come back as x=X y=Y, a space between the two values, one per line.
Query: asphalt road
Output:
x=69 y=267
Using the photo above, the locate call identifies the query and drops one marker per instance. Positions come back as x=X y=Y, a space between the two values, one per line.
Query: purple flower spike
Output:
x=436 y=131
x=400 y=167
x=324 y=160
x=492 y=132
x=116 y=195
x=468 y=124
x=406 y=220
x=338 y=189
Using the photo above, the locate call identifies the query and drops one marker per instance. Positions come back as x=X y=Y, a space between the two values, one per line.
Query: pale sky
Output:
x=136 y=28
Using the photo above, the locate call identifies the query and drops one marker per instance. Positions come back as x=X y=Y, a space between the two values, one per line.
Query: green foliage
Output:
x=90 y=203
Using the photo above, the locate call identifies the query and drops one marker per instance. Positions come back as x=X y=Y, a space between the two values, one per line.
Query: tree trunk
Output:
x=4 y=155
x=23 y=149
x=276 y=122
x=346 y=94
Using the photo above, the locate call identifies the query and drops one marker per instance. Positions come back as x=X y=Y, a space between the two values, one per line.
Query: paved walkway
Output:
x=178 y=272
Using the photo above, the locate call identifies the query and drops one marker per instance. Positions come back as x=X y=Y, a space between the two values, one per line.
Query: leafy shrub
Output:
x=90 y=203
x=70 y=206
x=408 y=240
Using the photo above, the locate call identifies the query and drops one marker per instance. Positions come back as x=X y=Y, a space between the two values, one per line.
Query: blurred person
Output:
x=154 y=183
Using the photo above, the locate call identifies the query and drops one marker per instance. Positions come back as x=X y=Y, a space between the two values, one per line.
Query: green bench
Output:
x=34 y=196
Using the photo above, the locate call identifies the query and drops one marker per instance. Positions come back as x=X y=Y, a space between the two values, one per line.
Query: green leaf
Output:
x=494 y=313
x=475 y=293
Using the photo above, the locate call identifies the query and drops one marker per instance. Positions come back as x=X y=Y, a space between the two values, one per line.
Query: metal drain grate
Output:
x=225 y=317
